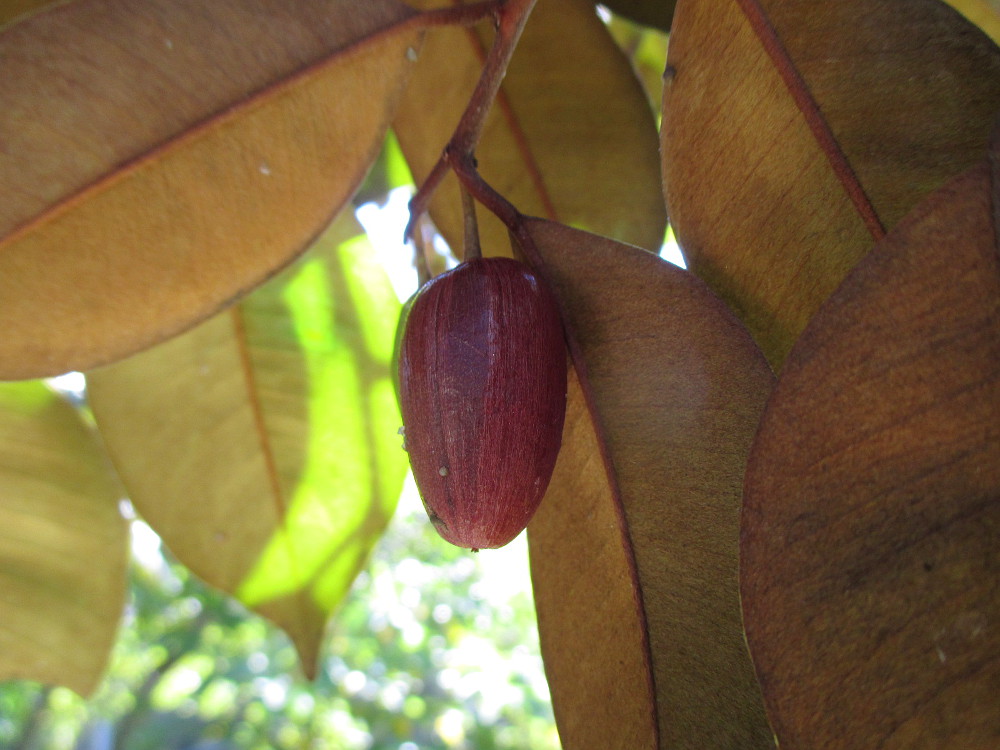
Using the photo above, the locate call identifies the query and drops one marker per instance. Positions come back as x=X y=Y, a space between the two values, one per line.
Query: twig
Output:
x=510 y=17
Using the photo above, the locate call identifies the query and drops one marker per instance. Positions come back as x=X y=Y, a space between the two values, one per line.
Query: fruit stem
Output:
x=476 y=187
x=509 y=17
x=471 y=248
x=420 y=250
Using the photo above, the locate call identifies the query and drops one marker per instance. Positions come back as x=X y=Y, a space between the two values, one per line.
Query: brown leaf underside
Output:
x=589 y=618
x=869 y=546
x=162 y=158
x=677 y=387
x=795 y=133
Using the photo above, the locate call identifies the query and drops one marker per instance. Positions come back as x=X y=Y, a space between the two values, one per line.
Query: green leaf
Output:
x=63 y=544
x=388 y=172
x=658 y=13
x=262 y=445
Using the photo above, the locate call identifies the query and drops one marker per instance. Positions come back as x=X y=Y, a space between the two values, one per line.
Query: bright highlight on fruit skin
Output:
x=482 y=372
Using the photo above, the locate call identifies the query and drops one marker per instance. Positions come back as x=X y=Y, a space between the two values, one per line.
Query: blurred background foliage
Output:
x=434 y=648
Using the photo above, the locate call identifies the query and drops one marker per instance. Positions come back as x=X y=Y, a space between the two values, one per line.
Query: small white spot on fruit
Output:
x=411 y=54
x=264 y=169
x=443 y=471
x=168 y=43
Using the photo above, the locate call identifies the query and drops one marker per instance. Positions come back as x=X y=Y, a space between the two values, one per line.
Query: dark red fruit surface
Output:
x=482 y=371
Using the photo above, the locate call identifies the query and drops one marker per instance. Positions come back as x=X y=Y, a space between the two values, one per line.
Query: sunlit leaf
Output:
x=63 y=543
x=162 y=157
x=650 y=479
x=795 y=134
x=870 y=556
x=571 y=136
x=647 y=49
x=388 y=172
x=262 y=444
x=658 y=13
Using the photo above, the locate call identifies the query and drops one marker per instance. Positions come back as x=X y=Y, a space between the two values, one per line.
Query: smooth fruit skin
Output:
x=482 y=372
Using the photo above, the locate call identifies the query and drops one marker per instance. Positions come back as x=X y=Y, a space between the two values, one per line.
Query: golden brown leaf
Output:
x=63 y=545
x=675 y=386
x=15 y=10
x=571 y=136
x=590 y=621
x=794 y=134
x=160 y=158
x=870 y=558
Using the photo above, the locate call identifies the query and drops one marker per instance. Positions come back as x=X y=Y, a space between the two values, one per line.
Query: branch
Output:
x=470 y=248
x=510 y=17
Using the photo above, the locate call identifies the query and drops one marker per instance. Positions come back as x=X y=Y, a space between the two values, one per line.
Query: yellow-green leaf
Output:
x=162 y=157
x=658 y=13
x=634 y=549
x=571 y=136
x=262 y=444
x=63 y=544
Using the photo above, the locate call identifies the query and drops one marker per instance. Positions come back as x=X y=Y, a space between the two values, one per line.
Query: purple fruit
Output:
x=482 y=377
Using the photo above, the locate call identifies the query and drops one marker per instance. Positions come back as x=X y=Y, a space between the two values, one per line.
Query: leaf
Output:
x=262 y=445
x=639 y=529
x=571 y=136
x=13 y=10
x=646 y=48
x=657 y=13
x=162 y=157
x=593 y=634
x=870 y=558
x=983 y=13
x=63 y=548
x=387 y=173
x=794 y=134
